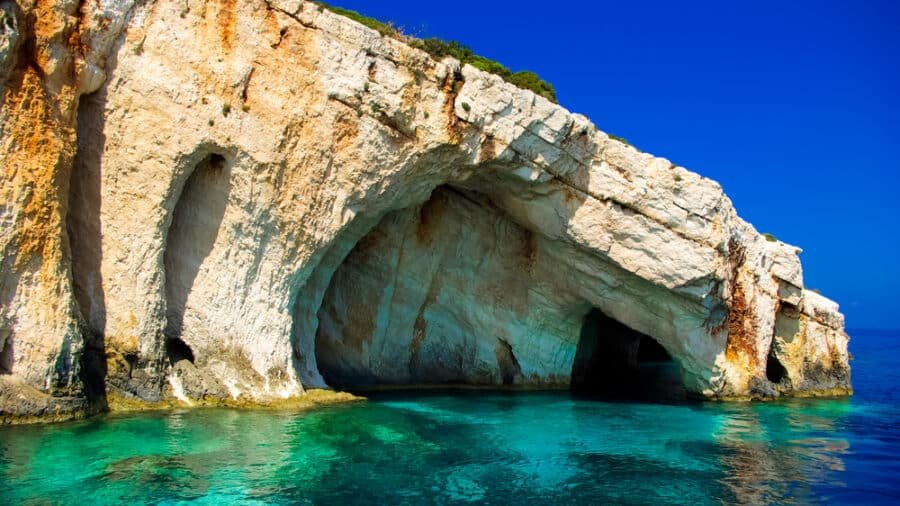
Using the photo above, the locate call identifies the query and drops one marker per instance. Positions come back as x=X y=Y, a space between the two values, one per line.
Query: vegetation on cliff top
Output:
x=438 y=48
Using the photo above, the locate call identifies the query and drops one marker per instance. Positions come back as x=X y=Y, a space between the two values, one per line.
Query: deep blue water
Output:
x=485 y=447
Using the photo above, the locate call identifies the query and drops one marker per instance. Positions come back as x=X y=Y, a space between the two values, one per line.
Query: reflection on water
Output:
x=779 y=451
x=465 y=447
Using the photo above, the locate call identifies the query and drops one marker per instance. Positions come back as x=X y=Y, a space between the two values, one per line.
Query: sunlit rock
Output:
x=268 y=186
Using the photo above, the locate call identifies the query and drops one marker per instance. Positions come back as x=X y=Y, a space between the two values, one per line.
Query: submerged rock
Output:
x=247 y=195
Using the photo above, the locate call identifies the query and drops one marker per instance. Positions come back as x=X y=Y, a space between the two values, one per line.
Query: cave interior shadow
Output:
x=614 y=362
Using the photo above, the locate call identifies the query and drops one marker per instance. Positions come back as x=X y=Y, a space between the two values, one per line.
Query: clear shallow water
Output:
x=460 y=447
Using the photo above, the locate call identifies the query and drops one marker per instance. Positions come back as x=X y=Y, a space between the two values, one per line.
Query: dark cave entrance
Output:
x=178 y=350
x=613 y=361
x=6 y=356
x=775 y=371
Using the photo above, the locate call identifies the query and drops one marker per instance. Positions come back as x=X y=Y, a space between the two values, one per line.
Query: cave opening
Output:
x=178 y=350
x=434 y=295
x=6 y=356
x=456 y=292
x=616 y=362
x=196 y=220
x=775 y=371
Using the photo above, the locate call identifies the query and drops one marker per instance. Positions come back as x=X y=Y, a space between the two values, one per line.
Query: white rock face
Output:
x=200 y=202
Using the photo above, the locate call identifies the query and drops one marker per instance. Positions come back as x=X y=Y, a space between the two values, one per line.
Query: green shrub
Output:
x=482 y=63
x=387 y=29
x=620 y=139
x=530 y=81
x=466 y=107
x=769 y=237
x=226 y=109
x=438 y=49
x=525 y=79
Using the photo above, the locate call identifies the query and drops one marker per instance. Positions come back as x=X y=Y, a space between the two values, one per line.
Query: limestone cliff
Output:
x=211 y=199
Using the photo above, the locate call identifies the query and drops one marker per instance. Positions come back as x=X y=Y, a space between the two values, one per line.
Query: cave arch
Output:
x=196 y=220
x=455 y=291
x=413 y=303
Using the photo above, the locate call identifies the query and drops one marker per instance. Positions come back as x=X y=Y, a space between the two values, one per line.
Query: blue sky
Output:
x=794 y=107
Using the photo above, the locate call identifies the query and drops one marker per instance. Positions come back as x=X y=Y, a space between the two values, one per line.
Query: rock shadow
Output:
x=84 y=230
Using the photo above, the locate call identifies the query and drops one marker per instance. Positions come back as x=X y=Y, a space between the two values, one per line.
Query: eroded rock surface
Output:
x=195 y=190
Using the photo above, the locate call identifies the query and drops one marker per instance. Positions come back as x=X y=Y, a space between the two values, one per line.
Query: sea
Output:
x=482 y=447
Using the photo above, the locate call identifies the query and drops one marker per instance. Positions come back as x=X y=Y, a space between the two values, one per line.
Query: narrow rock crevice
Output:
x=507 y=362
x=7 y=356
x=84 y=232
x=83 y=219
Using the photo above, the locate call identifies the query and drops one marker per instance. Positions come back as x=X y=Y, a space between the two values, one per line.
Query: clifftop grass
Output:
x=387 y=29
x=438 y=49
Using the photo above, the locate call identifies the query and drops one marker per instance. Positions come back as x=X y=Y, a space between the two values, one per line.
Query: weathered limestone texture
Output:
x=196 y=192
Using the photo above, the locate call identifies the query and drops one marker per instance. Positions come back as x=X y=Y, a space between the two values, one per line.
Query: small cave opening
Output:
x=616 y=362
x=775 y=371
x=787 y=323
x=6 y=356
x=178 y=350
x=507 y=361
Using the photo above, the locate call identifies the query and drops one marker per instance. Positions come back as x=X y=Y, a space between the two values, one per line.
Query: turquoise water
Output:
x=463 y=447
